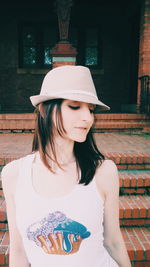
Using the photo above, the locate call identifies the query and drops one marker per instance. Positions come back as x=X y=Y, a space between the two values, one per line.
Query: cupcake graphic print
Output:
x=57 y=234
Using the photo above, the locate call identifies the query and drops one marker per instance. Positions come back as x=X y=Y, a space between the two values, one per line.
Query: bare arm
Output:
x=108 y=181
x=17 y=255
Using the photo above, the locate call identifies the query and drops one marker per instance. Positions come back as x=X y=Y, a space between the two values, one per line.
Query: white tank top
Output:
x=64 y=231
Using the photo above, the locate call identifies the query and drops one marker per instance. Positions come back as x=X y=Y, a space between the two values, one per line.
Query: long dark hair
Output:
x=87 y=155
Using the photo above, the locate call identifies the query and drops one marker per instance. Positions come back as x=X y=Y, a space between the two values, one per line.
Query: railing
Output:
x=145 y=94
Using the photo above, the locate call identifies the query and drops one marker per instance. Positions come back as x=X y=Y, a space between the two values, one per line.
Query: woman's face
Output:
x=77 y=118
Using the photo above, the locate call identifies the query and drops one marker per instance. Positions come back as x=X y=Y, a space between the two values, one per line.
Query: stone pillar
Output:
x=144 y=45
x=63 y=53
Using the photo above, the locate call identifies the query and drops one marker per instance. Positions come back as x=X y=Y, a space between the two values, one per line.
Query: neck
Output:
x=64 y=150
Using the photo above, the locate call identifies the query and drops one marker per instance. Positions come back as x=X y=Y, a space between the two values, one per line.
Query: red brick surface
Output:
x=134 y=178
x=12 y=122
x=4 y=248
x=2 y=209
x=105 y=116
x=144 y=45
x=134 y=147
x=144 y=48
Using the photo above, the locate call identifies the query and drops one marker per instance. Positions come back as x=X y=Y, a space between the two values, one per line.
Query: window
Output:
x=35 y=44
x=37 y=40
x=91 y=49
x=89 y=46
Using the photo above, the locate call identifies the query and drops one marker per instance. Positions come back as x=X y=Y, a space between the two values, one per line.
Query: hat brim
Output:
x=37 y=99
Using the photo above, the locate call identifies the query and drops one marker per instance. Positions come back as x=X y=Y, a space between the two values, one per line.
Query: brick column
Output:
x=144 y=45
x=63 y=54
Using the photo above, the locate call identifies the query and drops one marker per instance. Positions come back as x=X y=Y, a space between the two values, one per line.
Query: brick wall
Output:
x=116 y=81
x=144 y=50
x=144 y=47
x=15 y=88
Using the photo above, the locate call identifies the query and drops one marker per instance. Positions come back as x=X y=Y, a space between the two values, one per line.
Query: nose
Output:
x=86 y=115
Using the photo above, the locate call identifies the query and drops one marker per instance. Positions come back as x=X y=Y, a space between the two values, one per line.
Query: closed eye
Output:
x=74 y=107
x=78 y=107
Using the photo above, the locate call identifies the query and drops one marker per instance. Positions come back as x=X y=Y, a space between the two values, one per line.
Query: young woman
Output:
x=62 y=199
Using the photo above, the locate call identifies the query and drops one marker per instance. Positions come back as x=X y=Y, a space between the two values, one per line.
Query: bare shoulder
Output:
x=106 y=170
x=107 y=178
x=107 y=167
x=9 y=175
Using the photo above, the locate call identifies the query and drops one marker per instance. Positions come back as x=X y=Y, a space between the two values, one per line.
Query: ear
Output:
x=41 y=110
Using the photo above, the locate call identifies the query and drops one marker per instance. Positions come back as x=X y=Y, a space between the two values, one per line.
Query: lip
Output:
x=81 y=128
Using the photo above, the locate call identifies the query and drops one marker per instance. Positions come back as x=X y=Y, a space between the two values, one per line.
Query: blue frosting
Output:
x=75 y=228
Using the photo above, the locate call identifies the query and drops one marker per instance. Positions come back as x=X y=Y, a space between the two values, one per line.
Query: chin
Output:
x=80 y=140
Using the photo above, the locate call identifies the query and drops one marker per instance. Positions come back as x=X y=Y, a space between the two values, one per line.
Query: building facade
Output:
x=111 y=37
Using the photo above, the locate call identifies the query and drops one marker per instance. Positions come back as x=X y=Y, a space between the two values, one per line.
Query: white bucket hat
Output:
x=68 y=82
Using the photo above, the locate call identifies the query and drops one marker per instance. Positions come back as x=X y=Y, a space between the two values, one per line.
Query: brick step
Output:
x=102 y=124
x=11 y=122
x=122 y=125
x=113 y=116
x=28 y=127
x=121 y=116
x=137 y=241
x=4 y=248
x=134 y=182
x=24 y=116
x=121 y=122
x=134 y=210
x=26 y=122
x=129 y=151
x=124 y=161
x=3 y=215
